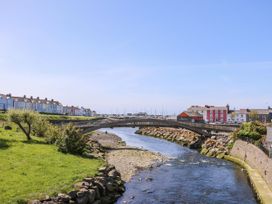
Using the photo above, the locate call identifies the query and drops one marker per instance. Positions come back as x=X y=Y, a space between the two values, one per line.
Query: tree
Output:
x=24 y=119
x=253 y=115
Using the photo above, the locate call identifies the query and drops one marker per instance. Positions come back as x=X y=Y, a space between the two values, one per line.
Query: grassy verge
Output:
x=34 y=169
x=3 y=117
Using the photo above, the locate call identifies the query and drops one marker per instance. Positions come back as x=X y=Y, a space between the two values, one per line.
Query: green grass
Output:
x=3 y=117
x=65 y=117
x=33 y=170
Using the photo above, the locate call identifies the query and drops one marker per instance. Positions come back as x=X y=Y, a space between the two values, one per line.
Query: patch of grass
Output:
x=3 y=117
x=66 y=117
x=34 y=169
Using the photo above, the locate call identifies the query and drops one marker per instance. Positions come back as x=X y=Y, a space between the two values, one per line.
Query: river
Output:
x=187 y=177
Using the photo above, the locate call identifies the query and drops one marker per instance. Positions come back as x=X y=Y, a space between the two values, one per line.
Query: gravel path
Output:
x=127 y=160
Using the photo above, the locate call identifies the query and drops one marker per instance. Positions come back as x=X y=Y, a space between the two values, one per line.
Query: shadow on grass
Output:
x=4 y=144
x=34 y=142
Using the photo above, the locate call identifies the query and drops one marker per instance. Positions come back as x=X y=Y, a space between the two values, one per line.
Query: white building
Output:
x=238 y=116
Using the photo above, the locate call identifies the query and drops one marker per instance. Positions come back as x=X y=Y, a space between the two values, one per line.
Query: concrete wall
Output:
x=255 y=158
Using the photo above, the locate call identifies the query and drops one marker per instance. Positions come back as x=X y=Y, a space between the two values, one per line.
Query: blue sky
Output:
x=144 y=55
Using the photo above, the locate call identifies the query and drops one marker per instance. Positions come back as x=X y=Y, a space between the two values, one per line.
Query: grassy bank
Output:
x=3 y=117
x=34 y=169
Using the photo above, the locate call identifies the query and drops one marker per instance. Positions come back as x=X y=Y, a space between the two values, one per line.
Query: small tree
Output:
x=24 y=119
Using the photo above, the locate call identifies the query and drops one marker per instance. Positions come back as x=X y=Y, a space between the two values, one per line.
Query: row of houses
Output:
x=223 y=114
x=52 y=106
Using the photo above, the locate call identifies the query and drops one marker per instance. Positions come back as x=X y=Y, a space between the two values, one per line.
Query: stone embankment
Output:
x=181 y=136
x=105 y=188
x=217 y=146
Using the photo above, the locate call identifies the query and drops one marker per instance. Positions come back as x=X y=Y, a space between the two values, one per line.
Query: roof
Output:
x=191 y=114
x=261 y=111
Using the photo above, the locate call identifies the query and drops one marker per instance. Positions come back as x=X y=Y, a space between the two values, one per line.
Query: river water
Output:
x=187 y=177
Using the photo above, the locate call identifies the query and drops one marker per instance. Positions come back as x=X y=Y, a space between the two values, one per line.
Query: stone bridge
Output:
x=199 y=128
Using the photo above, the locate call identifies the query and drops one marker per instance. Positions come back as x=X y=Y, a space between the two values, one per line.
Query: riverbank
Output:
x=261 y=188
x=127 y=160
x=220 y=147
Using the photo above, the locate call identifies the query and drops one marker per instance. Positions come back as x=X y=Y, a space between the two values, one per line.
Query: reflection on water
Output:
x=187 y=178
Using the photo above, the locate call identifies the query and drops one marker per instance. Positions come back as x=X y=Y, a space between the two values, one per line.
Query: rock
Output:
x=89 y=180
x=110 y=186
x=220 y=156
x=82 y=200
x=82 y=192
x=98 y=202
x=73 y=194
x=91 y=195
x=149 y=179
x=101 y=187
x=204 y=151
x=34 y=202
x=107 y=200
x=97 y=193
x=102 y=169
x=113 y=173
x=80 y=185
x=63 y=198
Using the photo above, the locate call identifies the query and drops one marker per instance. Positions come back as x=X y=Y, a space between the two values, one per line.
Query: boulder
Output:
x=91 y=195
x=63 y=198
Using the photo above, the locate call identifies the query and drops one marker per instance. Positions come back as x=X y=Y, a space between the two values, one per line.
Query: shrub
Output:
x=251 y=130
x=71 y=141
x=40 y=127
x=53 y=134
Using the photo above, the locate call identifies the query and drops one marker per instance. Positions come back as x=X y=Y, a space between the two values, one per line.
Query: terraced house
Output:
x=8 y=102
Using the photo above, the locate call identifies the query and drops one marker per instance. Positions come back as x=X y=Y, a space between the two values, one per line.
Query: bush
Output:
x=251 y=130
x=53 y=134
x=40 y=127
x=72 y=141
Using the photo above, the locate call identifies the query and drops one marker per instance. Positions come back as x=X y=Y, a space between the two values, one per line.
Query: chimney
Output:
x=24 y=96
x=46 y=99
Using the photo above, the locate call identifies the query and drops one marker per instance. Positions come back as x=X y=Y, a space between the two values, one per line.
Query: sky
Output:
x=123 y=56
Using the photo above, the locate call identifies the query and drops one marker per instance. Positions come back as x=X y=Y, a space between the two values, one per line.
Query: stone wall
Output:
x=105 y=188
x=255 y=158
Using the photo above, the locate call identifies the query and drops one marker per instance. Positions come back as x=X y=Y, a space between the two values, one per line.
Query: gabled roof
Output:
x=191 y=114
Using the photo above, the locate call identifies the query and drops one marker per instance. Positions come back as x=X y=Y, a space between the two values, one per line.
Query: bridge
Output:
x=199 y=128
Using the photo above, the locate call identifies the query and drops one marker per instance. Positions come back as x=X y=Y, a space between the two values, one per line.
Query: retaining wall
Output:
x=255 y=158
